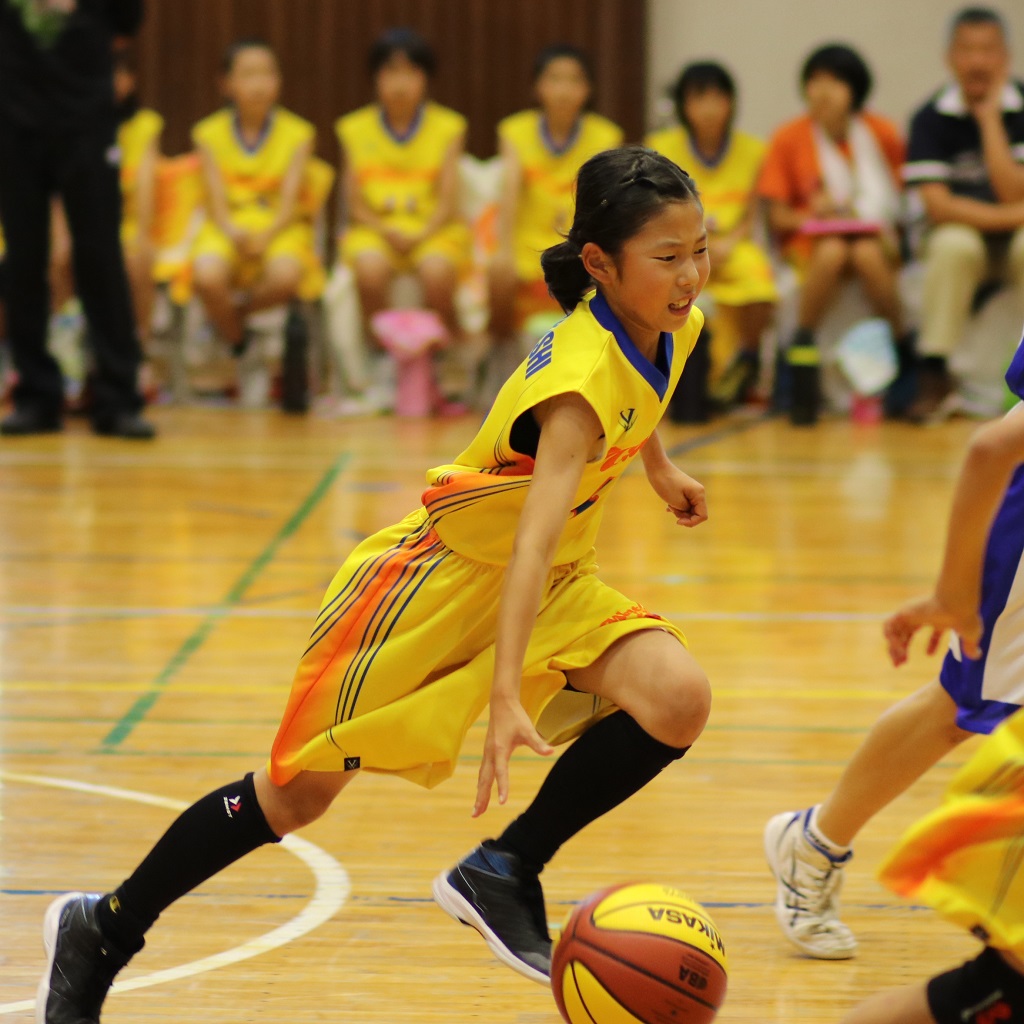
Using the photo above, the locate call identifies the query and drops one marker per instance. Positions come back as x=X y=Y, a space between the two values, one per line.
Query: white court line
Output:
x=332 y=889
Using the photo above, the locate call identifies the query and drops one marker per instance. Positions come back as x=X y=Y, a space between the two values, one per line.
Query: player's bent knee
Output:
x=210 y=275
x=683 y=709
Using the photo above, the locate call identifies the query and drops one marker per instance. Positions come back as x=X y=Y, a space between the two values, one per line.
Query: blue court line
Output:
x=376 y=901
x=718 y=434
x=138 y=711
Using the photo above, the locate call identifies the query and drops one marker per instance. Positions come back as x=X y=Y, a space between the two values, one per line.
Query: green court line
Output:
x=138 y=711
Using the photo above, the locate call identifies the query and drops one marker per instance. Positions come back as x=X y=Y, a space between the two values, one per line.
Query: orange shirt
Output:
x=790 y=172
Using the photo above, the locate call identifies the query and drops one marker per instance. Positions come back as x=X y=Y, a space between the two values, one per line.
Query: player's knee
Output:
x=210 y=276
x=683 y=712
x=285 y=275
x=295 y=807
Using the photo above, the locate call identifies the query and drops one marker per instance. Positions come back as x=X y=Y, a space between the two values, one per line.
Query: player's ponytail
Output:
x=566 y=277
x=617 y=192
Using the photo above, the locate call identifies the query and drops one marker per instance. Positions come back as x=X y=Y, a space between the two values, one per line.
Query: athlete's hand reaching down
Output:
x=901 y=626
x=509 y=727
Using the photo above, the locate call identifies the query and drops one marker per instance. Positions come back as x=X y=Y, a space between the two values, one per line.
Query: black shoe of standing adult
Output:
x=23 y=422
x=129 y=425
x=81 y=963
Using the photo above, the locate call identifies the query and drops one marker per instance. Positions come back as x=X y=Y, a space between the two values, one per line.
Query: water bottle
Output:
x=804 y=364
x=295 y=363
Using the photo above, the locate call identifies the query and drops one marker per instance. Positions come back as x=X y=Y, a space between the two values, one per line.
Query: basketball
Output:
x=639 y=954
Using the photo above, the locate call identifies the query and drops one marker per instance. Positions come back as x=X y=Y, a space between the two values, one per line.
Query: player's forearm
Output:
x=655 y=458
x=522 y=590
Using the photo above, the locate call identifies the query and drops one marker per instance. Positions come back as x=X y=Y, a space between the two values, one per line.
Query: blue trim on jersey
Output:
x=549 y=143
x=666 y=346
x=1015 y=372
x=236 y=128
x=403 y=137
x=963 y=679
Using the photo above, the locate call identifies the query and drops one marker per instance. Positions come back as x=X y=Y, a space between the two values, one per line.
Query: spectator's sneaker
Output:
x=808 y=878
x=490 y=891
x=80 y=963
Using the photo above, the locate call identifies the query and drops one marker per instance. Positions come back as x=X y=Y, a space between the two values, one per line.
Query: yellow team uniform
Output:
x=545 y=208
x=252 y=183
x=134 y=138
x=726 y=190
x=398 y=179
x=964 y=858
x=400 y=661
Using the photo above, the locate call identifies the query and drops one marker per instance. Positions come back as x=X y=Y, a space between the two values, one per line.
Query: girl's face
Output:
x=829 y=99
x=563 y=88
x=401 y=84
x=708 y=112
x=652 y=284
x=253 y=82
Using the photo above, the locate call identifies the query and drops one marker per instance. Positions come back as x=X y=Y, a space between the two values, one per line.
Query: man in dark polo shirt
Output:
x=57 y=137
x=966 y=157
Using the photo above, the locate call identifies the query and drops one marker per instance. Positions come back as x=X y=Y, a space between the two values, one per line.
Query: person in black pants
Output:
x=57 y=136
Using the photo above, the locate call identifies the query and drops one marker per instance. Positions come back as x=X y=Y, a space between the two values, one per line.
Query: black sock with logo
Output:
x=214 y=832
x=611 y=761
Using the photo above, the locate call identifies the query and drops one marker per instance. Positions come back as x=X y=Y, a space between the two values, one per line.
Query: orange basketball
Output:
x=639 y=954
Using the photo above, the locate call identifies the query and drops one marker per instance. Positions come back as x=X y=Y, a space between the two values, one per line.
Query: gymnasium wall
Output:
x=485 y=53
x=764 y=44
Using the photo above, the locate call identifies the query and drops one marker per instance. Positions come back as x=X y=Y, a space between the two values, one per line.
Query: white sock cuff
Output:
x=817 y=838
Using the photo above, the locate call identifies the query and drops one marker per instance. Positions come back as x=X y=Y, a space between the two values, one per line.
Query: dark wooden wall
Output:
x=485 y=52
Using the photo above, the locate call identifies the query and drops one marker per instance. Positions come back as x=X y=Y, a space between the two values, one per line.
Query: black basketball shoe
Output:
x=492 y=892
x=80 y=965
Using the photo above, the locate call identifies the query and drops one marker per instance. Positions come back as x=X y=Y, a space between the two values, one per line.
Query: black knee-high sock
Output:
x=214 y=832
x=611 y=761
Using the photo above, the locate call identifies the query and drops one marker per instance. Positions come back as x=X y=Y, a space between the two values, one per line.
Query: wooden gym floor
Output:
x=154 y=598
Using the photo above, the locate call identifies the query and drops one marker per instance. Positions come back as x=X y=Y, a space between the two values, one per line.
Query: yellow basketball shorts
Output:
x=451 y=242
x=400 y=661
x=292 y=242
x=744 y=278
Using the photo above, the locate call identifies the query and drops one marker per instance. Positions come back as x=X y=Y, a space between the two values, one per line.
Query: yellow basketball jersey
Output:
x=253 y=176
x=726 y=187
x=965 y=858
x=475 y=503
x=398 y=177
x=545 y=209
x=134 y=137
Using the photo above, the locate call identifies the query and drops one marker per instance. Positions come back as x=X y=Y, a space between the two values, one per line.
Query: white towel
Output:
x=863 y=184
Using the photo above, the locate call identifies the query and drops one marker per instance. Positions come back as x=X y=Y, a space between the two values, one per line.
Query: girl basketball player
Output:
x=400 y=168
x=541 y=152
x=725 y=163
x=487 y=594
x=254 y=155
x=978 y=597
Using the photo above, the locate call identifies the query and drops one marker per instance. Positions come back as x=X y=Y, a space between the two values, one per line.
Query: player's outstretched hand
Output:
x=509 y=727
x=901 y=626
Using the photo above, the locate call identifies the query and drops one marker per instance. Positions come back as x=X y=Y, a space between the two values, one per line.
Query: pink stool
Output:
x=410 y=337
